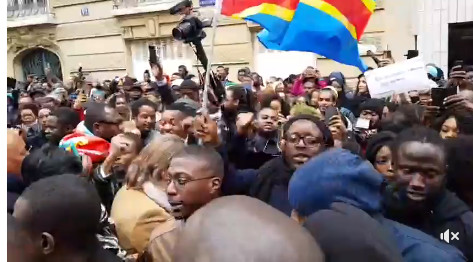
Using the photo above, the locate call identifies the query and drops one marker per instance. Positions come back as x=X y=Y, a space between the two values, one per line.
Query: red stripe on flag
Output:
x=355 y=11
x=230 y=7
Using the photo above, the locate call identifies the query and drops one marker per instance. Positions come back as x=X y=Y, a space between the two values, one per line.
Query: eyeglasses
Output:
x=368 y=113
x=109 y=122
x=180 y=182
x=309 y=141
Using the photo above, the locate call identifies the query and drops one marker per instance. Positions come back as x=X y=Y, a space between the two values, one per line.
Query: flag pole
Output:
x=217 y=11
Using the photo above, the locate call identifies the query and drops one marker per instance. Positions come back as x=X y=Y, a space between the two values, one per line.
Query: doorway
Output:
x=460 y=41
x=37 y=60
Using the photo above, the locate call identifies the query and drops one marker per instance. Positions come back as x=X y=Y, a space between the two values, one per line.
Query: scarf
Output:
x=274 y=172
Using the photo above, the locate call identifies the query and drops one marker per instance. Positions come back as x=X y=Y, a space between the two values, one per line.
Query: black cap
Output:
x=189 y=84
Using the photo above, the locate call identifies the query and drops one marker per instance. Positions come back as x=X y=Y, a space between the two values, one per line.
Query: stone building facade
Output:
x=110 y=38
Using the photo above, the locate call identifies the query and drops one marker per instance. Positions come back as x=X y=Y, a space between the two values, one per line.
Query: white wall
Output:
x=432 y=20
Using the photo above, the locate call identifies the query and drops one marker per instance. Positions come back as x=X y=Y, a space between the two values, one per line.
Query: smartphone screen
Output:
x=450 y=91
x=329 y=113
x=438 y=95
x=153 y=58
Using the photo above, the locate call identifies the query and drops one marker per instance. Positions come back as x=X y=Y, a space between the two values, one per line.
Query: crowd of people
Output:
x=299 y=169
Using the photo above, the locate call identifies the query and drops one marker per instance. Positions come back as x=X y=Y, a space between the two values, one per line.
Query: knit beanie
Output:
x=373 y=104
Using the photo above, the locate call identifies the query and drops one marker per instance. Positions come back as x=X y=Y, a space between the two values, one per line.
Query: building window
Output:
x=20 y=8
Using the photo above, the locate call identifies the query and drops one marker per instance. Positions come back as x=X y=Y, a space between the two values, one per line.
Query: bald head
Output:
x=240 y=228
x=16 y=152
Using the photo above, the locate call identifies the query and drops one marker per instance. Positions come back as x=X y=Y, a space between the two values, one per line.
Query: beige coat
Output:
x=136 y=216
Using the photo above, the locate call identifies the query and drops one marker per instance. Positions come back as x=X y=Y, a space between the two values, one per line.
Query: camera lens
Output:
x=182 y=31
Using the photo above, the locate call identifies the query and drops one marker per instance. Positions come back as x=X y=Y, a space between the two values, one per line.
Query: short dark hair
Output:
x=49 y=161
x=113 y=100
x=95 y=113
x=209 y=155
x=244 y=96
x=67 y=116
x=183 y=108
x=136 y=105
x=30 y=106
x=268 y=98
x=327 y=135
x=417 y=134
x=67 y=207
x=220 y=66
x=238 y=92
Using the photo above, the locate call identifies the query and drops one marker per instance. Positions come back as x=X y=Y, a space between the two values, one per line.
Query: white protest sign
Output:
x=398 y=78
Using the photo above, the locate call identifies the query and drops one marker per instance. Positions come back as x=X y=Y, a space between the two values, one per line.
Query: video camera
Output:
x=190 y=30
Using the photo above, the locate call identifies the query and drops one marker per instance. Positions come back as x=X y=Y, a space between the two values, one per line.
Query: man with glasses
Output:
x=92 y=137
x=304 y=137
x=194 y=178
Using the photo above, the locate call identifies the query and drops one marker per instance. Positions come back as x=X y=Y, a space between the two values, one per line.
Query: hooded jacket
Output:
x=363 y=238
x=339 y=176
x=446 y=212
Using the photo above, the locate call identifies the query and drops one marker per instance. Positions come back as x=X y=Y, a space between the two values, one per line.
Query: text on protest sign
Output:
x=398 y=78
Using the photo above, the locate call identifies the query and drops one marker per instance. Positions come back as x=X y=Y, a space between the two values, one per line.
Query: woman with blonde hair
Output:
x=141 y=205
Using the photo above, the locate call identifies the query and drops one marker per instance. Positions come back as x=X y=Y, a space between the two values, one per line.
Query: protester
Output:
x=43 y=114
x=363 y=238
x=49 y=161
x=344 y=183
x=100 y=125
x=16 y=153
x=52 y=161
x=459 y=168
x=379 y=154
x=141 y=205
x=453 y=123
x=362 y=87
x=60 y=123
x=235 y=102
x=194 y=179
x=275 y=102
x=419 y=198
x=248 y=219
x=183 y=71
x=60 y=215
x=304 y=137
x=144 y=116
x=271 y=141
x=327 y=98
x=176 y=120
x=110 y=175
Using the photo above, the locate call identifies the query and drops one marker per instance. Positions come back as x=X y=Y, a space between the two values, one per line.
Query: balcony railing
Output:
x=136 y=3
x=25 y=8
x=131 y=7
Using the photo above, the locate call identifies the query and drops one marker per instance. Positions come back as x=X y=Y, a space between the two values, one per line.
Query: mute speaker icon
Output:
x=445 y=236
